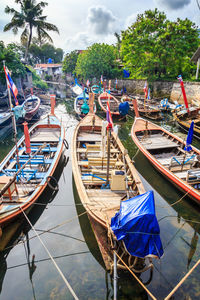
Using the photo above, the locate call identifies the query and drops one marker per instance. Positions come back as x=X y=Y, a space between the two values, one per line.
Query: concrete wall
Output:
x=169 y=89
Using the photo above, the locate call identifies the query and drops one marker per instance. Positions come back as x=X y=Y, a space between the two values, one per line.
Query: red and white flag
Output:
x=88 y=83
x=145 y=89
x=109 y=116
x=11 y=85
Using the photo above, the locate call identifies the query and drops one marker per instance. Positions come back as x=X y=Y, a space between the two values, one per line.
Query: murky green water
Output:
x=70 y=240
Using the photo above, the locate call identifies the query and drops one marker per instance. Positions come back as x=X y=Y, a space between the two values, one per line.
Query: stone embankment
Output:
x=162 y=89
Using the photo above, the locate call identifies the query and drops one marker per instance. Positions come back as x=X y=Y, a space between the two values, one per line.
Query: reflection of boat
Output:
x=113 y=102
x=18 y=230
x=90 y=166
x=26 y=171
x=166 y=152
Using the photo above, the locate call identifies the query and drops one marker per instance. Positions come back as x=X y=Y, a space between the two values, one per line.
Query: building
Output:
x=48 y=69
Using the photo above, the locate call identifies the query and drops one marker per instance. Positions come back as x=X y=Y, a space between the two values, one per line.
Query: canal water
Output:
x=26 y=271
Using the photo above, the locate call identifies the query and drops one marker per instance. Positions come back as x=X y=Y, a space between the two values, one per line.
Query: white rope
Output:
x=55 y=264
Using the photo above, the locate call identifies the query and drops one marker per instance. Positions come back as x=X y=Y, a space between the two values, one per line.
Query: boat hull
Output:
x=180 y=184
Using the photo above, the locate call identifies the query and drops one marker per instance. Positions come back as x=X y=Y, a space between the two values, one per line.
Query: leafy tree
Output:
x=97 y=60
x=156 y=48
x=42 y=53
x=11 y=55
x=29 y=17
x=69 y=62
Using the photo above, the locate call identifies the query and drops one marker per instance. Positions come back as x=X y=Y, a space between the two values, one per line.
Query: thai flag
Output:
x=116 y=83
x=11 y=85
x=149 y=97
x=109 y=116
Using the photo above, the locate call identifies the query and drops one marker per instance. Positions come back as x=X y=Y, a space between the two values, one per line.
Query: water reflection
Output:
x=18 y=231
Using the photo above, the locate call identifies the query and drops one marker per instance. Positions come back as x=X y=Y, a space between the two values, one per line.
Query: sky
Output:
x=84 y=22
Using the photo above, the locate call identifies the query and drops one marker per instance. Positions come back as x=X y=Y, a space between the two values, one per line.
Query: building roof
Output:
x=196 y=56
x=48 y=65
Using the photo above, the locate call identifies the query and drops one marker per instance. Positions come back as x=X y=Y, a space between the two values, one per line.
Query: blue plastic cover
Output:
x=124 y=108
x=137 y=226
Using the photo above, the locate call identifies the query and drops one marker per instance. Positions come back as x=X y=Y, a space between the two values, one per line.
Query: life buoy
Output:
x=48 y=179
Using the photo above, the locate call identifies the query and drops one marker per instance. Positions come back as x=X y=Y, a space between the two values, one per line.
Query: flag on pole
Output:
x=145 y=89
x=101 y=79
x=148 y=96
x=88 y=83
x=109 y=116
x=116 y=83
x=11 y=85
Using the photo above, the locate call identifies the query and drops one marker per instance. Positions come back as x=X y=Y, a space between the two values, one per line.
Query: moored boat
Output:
x=92 y=167
x=184 y=118
x=166 y=153
x=27 y=169
x=76 y=89
x=96 y=89
x=81 y=106
x=113 y=102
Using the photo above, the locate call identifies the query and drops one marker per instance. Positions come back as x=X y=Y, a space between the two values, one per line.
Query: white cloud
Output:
x=101 y=20
x=130 y=20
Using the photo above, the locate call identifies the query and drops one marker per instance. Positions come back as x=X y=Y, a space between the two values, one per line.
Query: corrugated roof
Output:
x=48 y=65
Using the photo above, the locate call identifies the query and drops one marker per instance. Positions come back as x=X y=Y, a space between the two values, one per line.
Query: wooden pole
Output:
x=13 y=116
x=136 y=108
x=108 y=155
x=115 y=276
x=91 y=103
x=197 y=71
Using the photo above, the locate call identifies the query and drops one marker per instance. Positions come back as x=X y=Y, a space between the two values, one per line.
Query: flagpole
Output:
x=13 y=116
x=108 y=140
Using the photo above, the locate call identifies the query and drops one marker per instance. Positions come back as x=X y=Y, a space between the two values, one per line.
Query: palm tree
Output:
x=29 y=17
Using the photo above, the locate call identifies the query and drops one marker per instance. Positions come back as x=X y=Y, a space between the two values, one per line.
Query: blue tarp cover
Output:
x=124 y=108
x=137 y=226
x=81 y=96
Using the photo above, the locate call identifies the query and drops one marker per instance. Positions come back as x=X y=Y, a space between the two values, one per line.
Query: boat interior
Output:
x=92 y=161
x=114 y=104
x=43 y=142
x=170 y=153
x=30 y=104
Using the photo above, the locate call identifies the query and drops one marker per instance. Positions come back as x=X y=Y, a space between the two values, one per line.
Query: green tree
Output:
x=69 y=62
x=97 y=60
x=12 y=60
x=155 y=48
x=29 y=17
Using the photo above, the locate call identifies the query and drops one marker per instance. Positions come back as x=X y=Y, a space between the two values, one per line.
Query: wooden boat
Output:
x=79 y=103
x=76 y=89
x=31 y=106
x=23 y=177
x=114 y=103
x=89 y=166
x=184 y=119
x=166 y=153
x=5 y=119
x=96 y=89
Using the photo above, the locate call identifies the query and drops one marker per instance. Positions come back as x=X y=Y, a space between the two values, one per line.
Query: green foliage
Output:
x=37 y=80
x=29 y=17
x=156 y=48
x=11 y=55
x=69 y=62
x=97 y=60
x=42 y=53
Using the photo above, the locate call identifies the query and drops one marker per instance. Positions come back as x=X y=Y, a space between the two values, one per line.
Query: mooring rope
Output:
x=182 y=280
x=52 y=259
x=140 y=282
